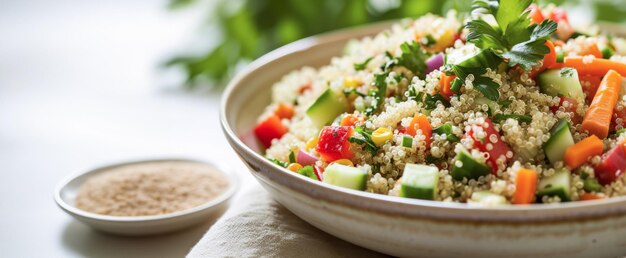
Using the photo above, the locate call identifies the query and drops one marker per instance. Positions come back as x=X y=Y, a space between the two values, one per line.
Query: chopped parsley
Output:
x=567 y=72
x=503 y=117
x=430 y=101
x=361 y=66
x=379 y=93
x=482 y=83
x=308 y=171
x=347 y=92
x=280 y=163
x=412 y=58
x=367 y=142
x=446 y=129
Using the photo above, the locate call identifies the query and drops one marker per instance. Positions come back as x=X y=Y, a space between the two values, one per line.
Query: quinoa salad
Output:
x=507 y=104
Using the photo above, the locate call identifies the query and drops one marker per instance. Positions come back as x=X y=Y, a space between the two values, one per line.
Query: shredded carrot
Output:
x=590 y=85
x=549 y=60
x=595 y=66
x=597 y=120
x=590 y=196
x=420 y=122
x=349 y=120
x=284 y=110
x=593 y=50
x=525 y=186
x=446 y=88
x=580 y=152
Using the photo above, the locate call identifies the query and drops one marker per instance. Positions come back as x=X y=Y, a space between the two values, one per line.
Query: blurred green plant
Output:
x=248 y=29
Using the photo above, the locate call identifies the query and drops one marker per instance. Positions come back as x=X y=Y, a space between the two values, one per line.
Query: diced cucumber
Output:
x=407 y=141
x=591 y=185
x=419 y=181
x=557 y=185
x=560 y=139
x=607 y=52
x=560 y=56
x=485 y=58
x=465 y=166
x=345 y=176
x=487 y=198
x=490 y=103
x=326 y=108
x=561 y=82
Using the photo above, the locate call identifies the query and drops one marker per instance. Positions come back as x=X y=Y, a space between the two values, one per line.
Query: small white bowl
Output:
x=65 y=196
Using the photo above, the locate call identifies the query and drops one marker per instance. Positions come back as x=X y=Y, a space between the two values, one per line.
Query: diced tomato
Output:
x=570 y=105
x=612 y=165
x=491 y=143
x=284 y=110
x=269 y=129
x=590 y=85
x=535 y=14
x=333 y=143
x=621 y=115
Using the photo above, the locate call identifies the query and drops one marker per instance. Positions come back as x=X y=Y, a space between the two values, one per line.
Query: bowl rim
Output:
x=233 y=186
x=556 y=212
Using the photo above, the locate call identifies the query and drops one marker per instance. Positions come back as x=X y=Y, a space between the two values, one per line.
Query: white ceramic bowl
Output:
x=409 y=227
x=65 y=195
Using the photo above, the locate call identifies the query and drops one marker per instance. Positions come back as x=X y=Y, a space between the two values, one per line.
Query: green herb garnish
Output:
x=521 y=118
x=446 y=129
x=412 y=58
x=361 y=66
x=514 y=38
x=379 y=93
x=591 y=185
x=347 y=92
x=367 y=142
x=280 y=163
x=308 y=171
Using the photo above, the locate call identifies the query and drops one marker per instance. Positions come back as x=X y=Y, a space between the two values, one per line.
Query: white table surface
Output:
x=80 y=86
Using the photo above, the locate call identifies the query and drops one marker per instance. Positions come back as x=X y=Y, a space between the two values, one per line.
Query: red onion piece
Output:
x=434 y=63
x=305 y=159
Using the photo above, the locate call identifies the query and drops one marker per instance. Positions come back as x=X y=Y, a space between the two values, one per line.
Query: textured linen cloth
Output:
x=257 y=226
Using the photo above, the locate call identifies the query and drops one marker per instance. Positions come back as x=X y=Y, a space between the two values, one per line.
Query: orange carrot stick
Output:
x=446 y=87
x=598 y=117
x=550 y=59
x=590 y=196
x=525 y=186
x=580 y=152
x=595 y=66
x=420 y=122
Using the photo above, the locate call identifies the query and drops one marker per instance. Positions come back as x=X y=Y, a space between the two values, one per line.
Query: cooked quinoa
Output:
x=508 y=133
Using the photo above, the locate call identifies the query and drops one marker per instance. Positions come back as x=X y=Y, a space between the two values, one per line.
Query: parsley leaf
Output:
x=446 y=129
x=379 y=93
x=361 y=66
x=482 y=83
x=367 y=142
x=513 y=38
x=278 y=162
x=412 y=58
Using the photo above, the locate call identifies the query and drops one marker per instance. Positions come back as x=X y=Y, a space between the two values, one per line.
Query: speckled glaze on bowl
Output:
x=408 y=227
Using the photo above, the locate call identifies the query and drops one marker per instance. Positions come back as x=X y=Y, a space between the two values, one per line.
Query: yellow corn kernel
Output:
x=294 y=167
x=345 y=162
x=352 y=82
x=311 y=143
x=381 y=135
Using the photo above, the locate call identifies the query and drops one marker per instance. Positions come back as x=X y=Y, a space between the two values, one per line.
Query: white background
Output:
x=80 y=86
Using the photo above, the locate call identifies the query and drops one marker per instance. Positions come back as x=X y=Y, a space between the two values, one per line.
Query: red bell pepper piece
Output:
x=269 y=129
x=491 y=143
x=612 y=165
